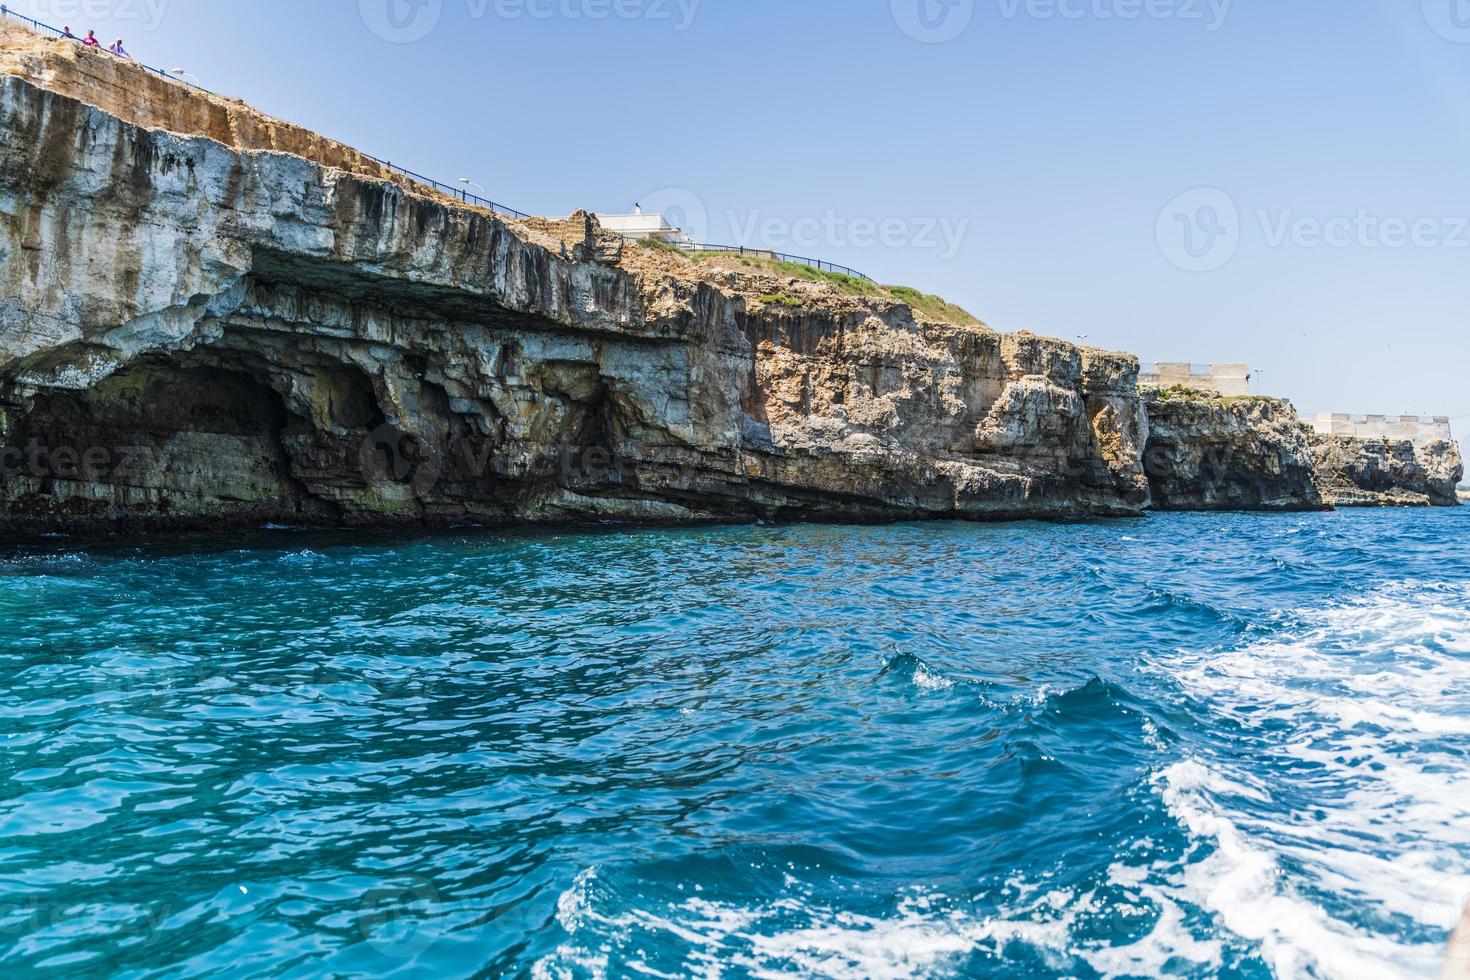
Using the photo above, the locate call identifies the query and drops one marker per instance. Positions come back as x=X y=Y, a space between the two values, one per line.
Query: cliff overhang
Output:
x=197 y=334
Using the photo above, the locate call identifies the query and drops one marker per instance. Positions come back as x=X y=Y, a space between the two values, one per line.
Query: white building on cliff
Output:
x=639 y=225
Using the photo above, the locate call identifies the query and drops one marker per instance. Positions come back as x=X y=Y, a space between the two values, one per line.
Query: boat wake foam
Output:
x=1333 y=825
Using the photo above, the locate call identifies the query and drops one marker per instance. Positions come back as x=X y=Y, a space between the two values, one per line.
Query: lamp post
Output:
x=181 y=73
x=471 y=183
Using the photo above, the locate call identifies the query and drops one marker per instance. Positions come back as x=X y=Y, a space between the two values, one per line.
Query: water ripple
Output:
x=1201 y=745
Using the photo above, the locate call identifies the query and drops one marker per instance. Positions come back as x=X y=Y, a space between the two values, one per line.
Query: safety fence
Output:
x=462 y=193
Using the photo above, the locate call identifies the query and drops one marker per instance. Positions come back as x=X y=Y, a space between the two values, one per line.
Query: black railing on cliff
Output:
x=41 y=28
x=819 y=264
x=463 y=194
x=459 y=192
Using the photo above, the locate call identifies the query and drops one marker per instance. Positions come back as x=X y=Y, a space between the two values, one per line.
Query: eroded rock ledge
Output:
x=198 y=335
x=1387 y=473
x=250 y=323
x=1206 y=452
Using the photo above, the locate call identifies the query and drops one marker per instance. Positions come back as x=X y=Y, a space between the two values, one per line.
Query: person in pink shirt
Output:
x=91 y=40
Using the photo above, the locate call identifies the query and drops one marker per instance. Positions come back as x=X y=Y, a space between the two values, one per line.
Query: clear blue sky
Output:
x=1048 y=137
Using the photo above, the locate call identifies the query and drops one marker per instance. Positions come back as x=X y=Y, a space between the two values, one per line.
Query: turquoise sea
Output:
x=1193 y=745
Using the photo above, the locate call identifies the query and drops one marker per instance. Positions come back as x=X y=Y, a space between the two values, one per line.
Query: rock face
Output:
x=1211 y=453
x=1386 y=473
x=195 y=335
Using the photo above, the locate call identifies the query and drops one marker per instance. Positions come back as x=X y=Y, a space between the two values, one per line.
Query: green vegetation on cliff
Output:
x=1180 y=393
x=926 y=305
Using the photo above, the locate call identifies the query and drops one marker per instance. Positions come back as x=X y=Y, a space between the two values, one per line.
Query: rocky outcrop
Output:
x=1387 y=473
x=1210 y=453
x=195 y=334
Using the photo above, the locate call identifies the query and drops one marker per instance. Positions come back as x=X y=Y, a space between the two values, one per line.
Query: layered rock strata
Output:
x=1205 y=452
x=194 y=333
x=1387 y=473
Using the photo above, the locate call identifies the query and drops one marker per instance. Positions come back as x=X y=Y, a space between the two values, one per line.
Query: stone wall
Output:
x=1227 y=380
x=1400 y=428
x=1382 y=472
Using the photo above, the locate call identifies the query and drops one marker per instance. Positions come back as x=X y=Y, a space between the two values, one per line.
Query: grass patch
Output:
x=1180 y=393
x=1247 y=399
x=934 y=307
x=851 y=285
x=1175 y=393
x=783 y=297
x=663 y=246
x=927 y=305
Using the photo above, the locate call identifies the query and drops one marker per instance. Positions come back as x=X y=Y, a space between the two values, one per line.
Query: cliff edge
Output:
x=1206 y=452
x=1387 y=473
x=242 y=322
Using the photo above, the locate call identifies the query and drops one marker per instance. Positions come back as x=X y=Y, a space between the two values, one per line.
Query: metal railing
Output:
x=42 y=28
x=459 y=192
x=821 y=265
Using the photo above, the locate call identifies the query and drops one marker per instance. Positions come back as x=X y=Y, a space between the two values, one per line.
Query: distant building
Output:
x=1398 y=428
x=1229 y=380
x=640 y=225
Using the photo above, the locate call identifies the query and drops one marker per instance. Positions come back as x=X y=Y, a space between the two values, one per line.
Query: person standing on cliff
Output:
x=66 y=34
x=118 y=49
x=91 y=41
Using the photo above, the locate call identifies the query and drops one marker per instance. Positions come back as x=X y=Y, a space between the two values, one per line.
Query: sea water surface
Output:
x=1191 y=745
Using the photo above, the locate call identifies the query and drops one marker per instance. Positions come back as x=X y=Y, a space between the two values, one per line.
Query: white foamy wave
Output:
x=1343 y=800
x=927 y=934
x=926 y=680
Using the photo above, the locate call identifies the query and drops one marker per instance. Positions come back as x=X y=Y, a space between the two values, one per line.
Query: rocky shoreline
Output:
x=245 y=323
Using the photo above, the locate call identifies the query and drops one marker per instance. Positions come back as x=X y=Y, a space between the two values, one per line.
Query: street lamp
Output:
x=471 y=183
x=181 y=72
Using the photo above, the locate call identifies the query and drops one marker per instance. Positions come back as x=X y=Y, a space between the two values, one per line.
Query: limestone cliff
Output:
x=195 y=332
x=1387 y=473
x=1210 y=453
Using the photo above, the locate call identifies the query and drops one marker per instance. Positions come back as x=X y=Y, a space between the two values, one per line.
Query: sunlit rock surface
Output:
x=195 y=334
